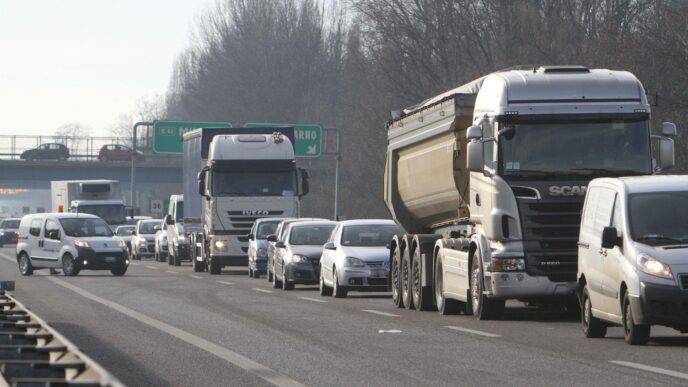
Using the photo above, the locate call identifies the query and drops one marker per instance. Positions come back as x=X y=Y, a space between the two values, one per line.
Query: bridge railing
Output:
x=83 y=148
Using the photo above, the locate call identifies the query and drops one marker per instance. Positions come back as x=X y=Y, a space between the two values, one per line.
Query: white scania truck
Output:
x=103 y=198
x=488 y=181
x=232 y=177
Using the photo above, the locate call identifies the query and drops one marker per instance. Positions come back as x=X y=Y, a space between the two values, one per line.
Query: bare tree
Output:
x=73 y=135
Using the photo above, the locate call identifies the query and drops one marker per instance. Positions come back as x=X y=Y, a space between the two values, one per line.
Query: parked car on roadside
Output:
x=125 y=233
x=52 y=151
x=143 y=241
x=297 y=257
x=161 y=242
x=118 y=152
x=633 y=256
x=356 y=257
x=8 y=231
x=258 y=245
x=72 y=242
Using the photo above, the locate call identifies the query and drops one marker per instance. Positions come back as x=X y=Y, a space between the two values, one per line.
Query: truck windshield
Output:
x=371 y=235
x=659 y=218
x=263 y=183
x=310 y=235
x=111 y=213
x=607 y=148
x=85 y=227
x=266 y=228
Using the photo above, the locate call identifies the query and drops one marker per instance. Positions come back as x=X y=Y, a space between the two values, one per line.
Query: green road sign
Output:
x=167 y=135
x=308 y=138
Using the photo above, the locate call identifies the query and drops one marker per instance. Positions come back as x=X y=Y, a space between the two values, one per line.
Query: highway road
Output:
x=163 y=325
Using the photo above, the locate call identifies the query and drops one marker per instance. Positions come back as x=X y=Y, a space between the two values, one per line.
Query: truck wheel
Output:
x=324 y=289
x=337 y=290
x=593 y=327
x=406 y=296
x=483 y=307
x=25 y=267
x=422 y=295
x=395 y=278
x=198 y=266
x=275 y=282
x=215 y=267
x=445 y=305
x=635 y=334
x=69 y=268
x=286 y=285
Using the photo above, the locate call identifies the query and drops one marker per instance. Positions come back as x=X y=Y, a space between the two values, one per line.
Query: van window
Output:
x=35 y=228
x=589 y=210
x=603 y=213
x=51 y=228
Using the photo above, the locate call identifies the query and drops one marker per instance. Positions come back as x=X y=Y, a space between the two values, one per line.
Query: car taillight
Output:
x=16 y=238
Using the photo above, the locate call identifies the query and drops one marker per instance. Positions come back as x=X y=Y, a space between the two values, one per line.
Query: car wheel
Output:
x=275 y=282
x=634 y=334
x=483 y=307
x=198 y=266
x=119 y=271
x=25 y=267
x=395 y=278
x=177 y=261
x=324 y=289
x=69 y=268
x=593 y=327
x=215 y=267
x=406 y=296
x=170 y=261
x=338 y=290
x=286 y=285
x=445 y=306
x=250 y=273
x=269 y=274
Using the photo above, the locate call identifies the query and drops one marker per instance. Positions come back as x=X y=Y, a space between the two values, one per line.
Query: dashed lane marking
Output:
x=472 y=331
x=312 y=299
x=389 y=331
x=380 y=313
x=195 y=276
x=152 y=267
x=170 y=271
x=643 y=367
x=225 y=283
x=263 y=290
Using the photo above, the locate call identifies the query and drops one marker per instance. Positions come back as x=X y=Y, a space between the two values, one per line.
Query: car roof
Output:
x=360 y=222
x=68 y=215
x=313 y=223
x=11 y=219
x=640 y=184
x=262 y=220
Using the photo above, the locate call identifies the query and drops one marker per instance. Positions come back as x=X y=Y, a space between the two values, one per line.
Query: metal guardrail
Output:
x=34 y=354
x=11 y=146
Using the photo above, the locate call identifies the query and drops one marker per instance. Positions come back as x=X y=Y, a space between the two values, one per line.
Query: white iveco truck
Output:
x=489 y=179
x=231 y=178
x=102 y=198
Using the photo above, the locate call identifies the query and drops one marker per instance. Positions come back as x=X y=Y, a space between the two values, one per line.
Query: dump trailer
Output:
x=103 y=198
x=488 y=181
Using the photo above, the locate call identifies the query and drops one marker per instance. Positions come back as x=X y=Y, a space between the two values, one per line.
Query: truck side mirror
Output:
x=610 y=238
x=474 y=156
x=474 y=132
x=201 y=183
x=169 y=220
x=668 y=129
x=272 y=238
x=305 y=184
x=666 y=153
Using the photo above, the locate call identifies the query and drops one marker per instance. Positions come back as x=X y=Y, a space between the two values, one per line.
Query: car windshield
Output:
x=266 y=228
x=147 y=227
x=264 y=183
x=124 y=231
x=111 y=213
x=10 y=223
x=369 y=234
x=85 y=227
x=313 y=235
x=608 y=148
x=659 y=218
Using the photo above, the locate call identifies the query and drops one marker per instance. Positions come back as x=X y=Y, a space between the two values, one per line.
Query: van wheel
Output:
x=119 y=271
x=25 y=267
x=422 y=295
x=593 y=327
x=483 y=307
x=69 y=268
x=635 y=334
x=406 y=296
x=395 y=278
x=445 y=305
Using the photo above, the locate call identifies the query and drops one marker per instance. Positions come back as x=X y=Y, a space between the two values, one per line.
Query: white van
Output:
x=633 y=256
x=72 y=242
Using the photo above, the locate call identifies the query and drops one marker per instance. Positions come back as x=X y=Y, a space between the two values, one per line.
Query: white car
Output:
x=357 y=257
x=161 y=242
x=143 y=241
x=633 y=256
x=72 y=242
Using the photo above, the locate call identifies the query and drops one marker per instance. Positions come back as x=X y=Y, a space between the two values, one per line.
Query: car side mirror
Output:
x=272 y=238
x=474 y=132
x=251 y=237
x=668 y=129
x=666 y=153
x=330 y=246
x=169 y=220
x=280 y=244
x=610 y=238
x=474 y=156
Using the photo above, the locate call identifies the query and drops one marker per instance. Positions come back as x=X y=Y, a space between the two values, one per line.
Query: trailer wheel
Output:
x=483 y=307
x=396 y=277
x=422 y=295
x=445 y=305
x=406 y=295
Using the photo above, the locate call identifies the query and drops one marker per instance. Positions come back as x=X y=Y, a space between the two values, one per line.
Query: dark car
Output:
x=8 y=231
x=117 y=152
x=51 y=151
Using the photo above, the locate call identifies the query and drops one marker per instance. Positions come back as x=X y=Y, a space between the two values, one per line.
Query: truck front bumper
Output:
x=661 y=305
x=521 y=285
x=230 y=260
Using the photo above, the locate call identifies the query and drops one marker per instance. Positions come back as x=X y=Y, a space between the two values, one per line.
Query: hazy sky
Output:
x=86 y=61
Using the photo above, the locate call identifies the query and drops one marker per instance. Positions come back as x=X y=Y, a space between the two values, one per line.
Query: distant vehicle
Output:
x=117 y=152
x=357 y=257
x=8 y=231
x=133 y=220
x=97 y=197
x=278 y=236
x=178 y=247
x=258 y=245
x=161 y=242
x=632 y=265
x=125 y=233
x=297 y=259
x=52 y=151
x=143 y=241
x=72 y=242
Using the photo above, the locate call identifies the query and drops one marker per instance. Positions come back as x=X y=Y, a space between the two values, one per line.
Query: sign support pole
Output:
x=133 y=163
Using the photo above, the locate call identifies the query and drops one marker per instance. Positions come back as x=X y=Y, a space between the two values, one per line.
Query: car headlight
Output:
x=654 y=267
x=121 y=244
x=81 y=243
x=354 y=262
x=298 y=258
x=220 y=245
x=261 y=253
x=142 y=242
x=508 y=264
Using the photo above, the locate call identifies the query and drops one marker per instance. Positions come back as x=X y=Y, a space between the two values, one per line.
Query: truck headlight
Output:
x=261 y=253
x=354 y=262
x=298 y=258
x=508 y=264
x=220 y=246
x=654 y=267
x=81 y=243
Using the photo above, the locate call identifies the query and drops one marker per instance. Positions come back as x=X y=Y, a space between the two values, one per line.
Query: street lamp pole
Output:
x=133 y=163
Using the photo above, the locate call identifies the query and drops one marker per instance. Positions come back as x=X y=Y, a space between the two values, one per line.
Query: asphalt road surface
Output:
x=164 y=325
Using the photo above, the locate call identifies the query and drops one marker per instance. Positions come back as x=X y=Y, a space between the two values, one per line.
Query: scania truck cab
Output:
x=489 y=179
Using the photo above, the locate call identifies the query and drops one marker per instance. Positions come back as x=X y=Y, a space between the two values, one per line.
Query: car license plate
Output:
x=377 y=273
x=110 y=259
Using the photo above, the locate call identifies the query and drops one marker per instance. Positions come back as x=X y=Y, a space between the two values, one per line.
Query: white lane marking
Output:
x=170 y=271
x=380 y=313
x=195 y=276
x=656 y=370
x=225 y=283
x=312 y=299
x=263 y=290
x=226 y=354
x=152 y=267
x=473 y=331
x=388 y=331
